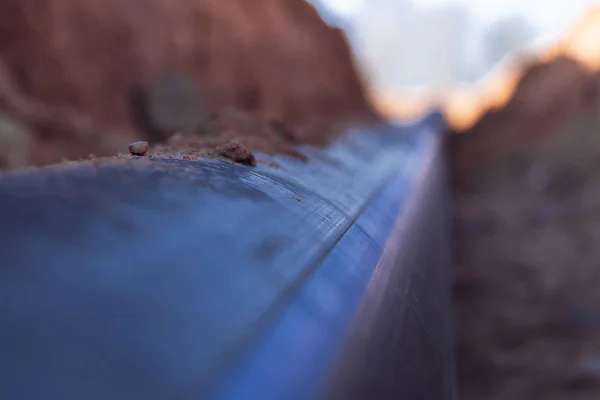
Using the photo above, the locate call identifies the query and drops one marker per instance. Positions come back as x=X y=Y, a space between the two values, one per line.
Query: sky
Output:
x=549 y=15
x=548 y=19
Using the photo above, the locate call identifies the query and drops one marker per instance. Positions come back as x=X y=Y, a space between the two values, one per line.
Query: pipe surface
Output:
x=172 y=279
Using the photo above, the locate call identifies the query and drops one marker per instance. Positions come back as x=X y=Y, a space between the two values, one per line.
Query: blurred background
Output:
x=519 y=84
x=467 y=51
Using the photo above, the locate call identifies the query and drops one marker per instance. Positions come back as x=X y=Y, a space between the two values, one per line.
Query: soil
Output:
x=237 y=152
x=253 y=132
x=91 y=76
x=527 y=219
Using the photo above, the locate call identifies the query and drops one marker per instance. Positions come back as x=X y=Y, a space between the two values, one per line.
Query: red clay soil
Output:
x=238 y=130
x=73 y=72
x=527 y=219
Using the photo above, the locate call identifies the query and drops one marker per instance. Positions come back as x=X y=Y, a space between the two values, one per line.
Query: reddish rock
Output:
x=139 y=148
x=548 y=96
x=89 y=58
x=526 y=204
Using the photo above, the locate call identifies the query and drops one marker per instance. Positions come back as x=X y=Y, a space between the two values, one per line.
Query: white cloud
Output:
x=344 y=8
x=387 y=33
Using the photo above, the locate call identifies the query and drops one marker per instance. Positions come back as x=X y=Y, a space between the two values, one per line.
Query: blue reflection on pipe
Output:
x=292 y=360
